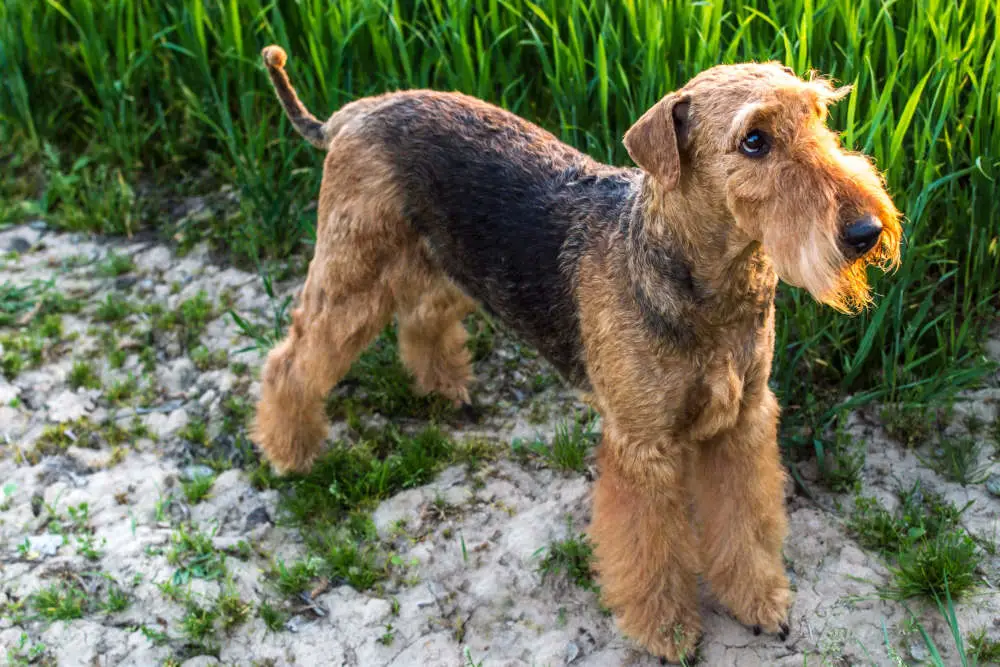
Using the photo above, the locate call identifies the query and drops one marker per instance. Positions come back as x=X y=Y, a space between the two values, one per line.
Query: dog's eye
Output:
x=755 y=144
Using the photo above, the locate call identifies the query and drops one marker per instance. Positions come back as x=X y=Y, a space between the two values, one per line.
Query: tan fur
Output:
x=432 y=339
x=690 y=477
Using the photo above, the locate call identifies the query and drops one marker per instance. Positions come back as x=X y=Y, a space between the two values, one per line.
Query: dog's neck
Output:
x=706 y=263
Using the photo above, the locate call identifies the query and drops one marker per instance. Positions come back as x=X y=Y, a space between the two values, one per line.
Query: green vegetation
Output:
x=56 y=438
x=273 y=618
x=189 y=319
x=233 y=611
x=117 y=600
x=571 y=557
x=59 y=602
x=122 y=390
x=570 y=444
x=360 y=474
x=378 y=382
x=194 y=556
x=332 y=504
x=924 y=539
x=205 y=360
x=26 y=653
x=198 y=488
x=195 y=431
x=961 y=460
x=83 y=375
x=114 y=308
x=948 y=560
x=115 y=265
x=841 y=460
x=982 y=649
x=34 y=313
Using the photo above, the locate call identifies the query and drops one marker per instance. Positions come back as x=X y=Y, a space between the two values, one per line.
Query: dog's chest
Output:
x=727 y=377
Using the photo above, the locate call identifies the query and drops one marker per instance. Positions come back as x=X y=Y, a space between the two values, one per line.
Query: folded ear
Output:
x=655 y=139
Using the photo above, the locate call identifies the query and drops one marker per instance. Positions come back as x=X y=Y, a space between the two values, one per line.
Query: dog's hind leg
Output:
x=364 y=252
x=338 y=318
x=432 y=339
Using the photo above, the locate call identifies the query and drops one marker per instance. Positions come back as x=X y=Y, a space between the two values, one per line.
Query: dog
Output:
x=651 y=289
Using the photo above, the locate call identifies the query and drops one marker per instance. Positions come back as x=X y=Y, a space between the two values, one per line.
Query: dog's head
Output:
x=753 y=138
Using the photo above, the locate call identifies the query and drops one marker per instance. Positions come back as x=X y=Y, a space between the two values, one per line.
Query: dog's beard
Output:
x=819 y=266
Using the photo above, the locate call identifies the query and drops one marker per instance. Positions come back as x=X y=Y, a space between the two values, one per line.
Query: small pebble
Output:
x=993 y=484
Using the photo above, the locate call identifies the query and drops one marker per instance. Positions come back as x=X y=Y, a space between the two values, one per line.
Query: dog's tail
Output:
x=304 y=122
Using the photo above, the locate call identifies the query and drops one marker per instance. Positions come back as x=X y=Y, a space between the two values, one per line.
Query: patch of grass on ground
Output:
x=114 y=308
x=919 y=514
x=20 y=351
x=195 y=431
x=568 y=449
x=14 y=301
x=83 y=375
x=198 y=488
x=931 y=565
x=30 y=345
x=198 y=626
x=189 y=318
x=842 y=461
x=122 y=390
x=332 y=503
x=84 y=195
x=194 y=556
x=909 y=424
x=378 y=382
x=34 y=301
x=357 y=475
x=56 y=438
x=25 y=653
x=923 y=539
x=482 y=335
x=961 y=460
x=116 y=600
x=572 y=557
x=295 y=578
x=115 y=265
x=273 y=617
x=206 y=360
x=233 y=610
x=59 y=602
x=982 y=649
x=570 y=444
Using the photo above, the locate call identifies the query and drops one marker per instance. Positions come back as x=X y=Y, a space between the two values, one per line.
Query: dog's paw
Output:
x=768 y=612
x=675 y=644
x=670 y=632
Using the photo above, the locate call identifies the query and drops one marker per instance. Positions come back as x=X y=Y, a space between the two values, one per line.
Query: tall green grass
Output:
x=163 y=89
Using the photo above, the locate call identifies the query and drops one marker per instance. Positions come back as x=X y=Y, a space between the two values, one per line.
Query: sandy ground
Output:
x=484 y=603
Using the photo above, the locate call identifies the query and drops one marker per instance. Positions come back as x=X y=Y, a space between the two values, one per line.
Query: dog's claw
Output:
x=663 y=660
x=783 y=635
x=756 y=630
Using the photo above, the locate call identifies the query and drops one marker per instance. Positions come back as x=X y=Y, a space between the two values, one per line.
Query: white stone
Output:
x=69 y=406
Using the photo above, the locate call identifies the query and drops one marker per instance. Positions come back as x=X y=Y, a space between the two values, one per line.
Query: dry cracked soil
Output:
x=104 y=559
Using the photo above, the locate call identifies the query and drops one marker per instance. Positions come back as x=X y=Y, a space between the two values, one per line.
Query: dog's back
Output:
x=496 y=199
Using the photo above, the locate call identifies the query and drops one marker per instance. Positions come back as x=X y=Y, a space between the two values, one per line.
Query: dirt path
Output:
x=97 y=520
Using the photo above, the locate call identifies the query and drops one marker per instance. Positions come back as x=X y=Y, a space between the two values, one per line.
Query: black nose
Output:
x=861 y=235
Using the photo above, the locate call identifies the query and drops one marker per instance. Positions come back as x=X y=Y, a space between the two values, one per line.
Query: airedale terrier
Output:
x=650 y=289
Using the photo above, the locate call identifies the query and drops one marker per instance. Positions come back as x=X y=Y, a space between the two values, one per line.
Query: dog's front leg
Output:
x=646 y=553
x=739 y=489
